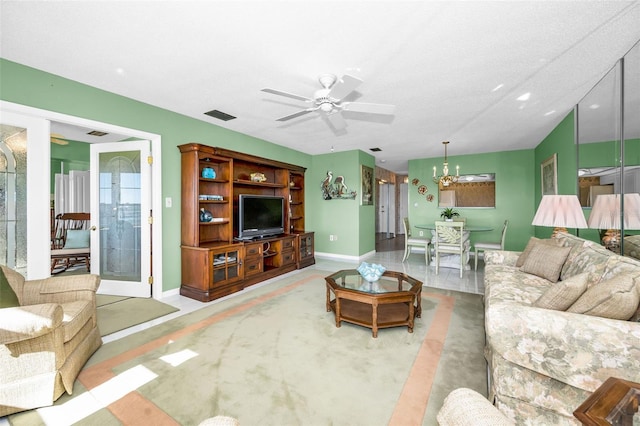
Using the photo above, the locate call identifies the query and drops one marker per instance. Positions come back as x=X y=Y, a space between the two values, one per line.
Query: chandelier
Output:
x=445 y=179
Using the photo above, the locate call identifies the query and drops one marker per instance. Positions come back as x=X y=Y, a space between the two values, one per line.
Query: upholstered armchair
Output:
x=46 y=339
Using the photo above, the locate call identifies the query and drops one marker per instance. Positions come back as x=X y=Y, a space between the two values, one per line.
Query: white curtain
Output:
x=72 y=192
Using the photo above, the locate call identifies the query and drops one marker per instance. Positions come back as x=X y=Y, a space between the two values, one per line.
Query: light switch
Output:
x=168 y=202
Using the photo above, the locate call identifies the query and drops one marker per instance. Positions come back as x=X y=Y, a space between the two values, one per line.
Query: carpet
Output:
x=116 y=313
x=274 y=356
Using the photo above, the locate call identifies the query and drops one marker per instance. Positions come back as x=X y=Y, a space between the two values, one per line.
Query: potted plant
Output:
x=449 y=213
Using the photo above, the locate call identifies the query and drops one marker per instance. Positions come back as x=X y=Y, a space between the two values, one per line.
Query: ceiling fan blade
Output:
x=344 y=86
x=288 y=95
x=369 y=108
x=297 y=114
x=336 y=120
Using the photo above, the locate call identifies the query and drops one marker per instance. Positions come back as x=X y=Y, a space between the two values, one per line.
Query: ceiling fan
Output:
x=329 y=100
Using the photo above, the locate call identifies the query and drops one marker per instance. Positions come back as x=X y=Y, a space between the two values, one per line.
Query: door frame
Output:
x=41 y=173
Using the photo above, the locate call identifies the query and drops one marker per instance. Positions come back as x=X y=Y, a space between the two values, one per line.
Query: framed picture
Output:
x=367 y=186
x=549 y=175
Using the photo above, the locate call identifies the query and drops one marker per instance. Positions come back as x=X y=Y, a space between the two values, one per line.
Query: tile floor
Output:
x=448 y=278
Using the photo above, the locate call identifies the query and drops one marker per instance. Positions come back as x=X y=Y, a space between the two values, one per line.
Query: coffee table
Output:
x=392 y=301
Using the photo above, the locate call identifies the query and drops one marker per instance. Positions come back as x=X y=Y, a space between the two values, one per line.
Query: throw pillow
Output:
x=8 y=297
x=615 y=298
x=545 y=261
x=532 y=242
x=77 y=238
x=563 y=294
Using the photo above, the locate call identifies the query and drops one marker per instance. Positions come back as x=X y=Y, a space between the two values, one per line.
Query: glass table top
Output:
x=389 y=282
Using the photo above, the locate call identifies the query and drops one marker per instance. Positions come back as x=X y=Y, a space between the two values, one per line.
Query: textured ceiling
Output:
x=455 y=70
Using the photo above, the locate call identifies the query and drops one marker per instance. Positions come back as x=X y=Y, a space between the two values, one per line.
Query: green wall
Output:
x=352 y=223
x=517 y=172
x=31 y=87
x=514 y=182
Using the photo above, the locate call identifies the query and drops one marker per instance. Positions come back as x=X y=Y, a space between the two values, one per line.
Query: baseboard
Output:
x=343 y=257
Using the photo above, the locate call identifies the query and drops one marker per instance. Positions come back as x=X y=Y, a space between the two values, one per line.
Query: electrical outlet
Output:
x=335 y=238
x=422 y=233
x=330 y=237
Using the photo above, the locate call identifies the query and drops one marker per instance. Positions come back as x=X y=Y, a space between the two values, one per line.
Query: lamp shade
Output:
x=605 y=213
x=562 y=211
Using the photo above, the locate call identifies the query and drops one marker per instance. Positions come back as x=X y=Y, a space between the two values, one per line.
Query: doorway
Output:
x=386 y=210
x=38 y=235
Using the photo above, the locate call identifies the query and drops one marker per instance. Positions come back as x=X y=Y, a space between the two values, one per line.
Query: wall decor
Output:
x=336 y=189
x=549 y=175
x=367 y=186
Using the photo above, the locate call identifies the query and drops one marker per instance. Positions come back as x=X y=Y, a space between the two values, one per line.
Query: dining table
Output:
x=453 y=260
x=470 y=228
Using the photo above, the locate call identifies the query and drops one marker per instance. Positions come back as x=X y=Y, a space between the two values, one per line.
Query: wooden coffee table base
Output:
x=391 y=307
x=390 y=315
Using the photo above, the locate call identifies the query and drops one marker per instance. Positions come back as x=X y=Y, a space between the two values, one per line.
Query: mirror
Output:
x=478 y=190
x=608 y=142
x=599 y=139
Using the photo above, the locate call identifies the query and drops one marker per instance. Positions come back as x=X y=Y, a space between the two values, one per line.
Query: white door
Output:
x=387 y=210
x=121 y=212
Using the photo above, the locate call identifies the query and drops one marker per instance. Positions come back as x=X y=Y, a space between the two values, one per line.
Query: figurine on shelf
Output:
x=258 y=177
x=208 y=173
x=205 y=216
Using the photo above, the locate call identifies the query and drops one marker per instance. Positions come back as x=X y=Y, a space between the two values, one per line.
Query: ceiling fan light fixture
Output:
x=327 y=80
x=326 y=106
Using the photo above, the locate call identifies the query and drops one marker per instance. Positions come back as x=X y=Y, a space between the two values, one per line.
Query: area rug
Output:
x=274 y=356
x=116 y=313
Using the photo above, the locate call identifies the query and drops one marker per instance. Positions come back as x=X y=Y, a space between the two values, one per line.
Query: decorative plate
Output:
x=415 y=181
x=422 y=189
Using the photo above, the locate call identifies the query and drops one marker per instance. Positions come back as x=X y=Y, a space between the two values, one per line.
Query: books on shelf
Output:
x=209 y=197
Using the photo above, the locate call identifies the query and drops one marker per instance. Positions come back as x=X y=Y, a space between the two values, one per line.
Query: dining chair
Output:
x=410 y=241
x=482 y=246
x=451 y=239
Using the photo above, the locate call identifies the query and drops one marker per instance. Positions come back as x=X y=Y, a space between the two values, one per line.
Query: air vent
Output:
x=375 y=149
x=97 y=133
x=220 y=115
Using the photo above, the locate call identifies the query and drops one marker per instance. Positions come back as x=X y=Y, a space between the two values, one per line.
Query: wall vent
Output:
x=97 y=133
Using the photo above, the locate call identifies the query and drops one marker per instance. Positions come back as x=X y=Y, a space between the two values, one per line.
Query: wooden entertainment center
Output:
x=214 y=262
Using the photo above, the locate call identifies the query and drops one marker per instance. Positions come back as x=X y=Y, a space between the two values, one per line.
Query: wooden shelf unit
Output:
x=214 y=264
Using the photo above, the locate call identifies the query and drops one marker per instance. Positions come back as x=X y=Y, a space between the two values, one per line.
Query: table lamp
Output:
x=561 y=212
x=606 y=214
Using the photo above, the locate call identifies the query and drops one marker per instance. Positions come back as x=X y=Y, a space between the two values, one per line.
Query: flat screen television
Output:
x=260 y=216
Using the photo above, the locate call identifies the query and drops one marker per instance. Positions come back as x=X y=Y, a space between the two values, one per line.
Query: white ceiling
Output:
x=455 y=70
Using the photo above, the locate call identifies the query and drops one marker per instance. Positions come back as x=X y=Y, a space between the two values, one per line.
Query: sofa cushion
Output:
x=618 y=265
x=615 y=298
x=588 y=258
x=561 y=295
x=545 y=261
x=632 y=246
x=533 y=241
x=8 y=297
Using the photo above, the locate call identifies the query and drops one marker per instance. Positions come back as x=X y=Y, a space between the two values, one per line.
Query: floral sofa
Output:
x=551 y=336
